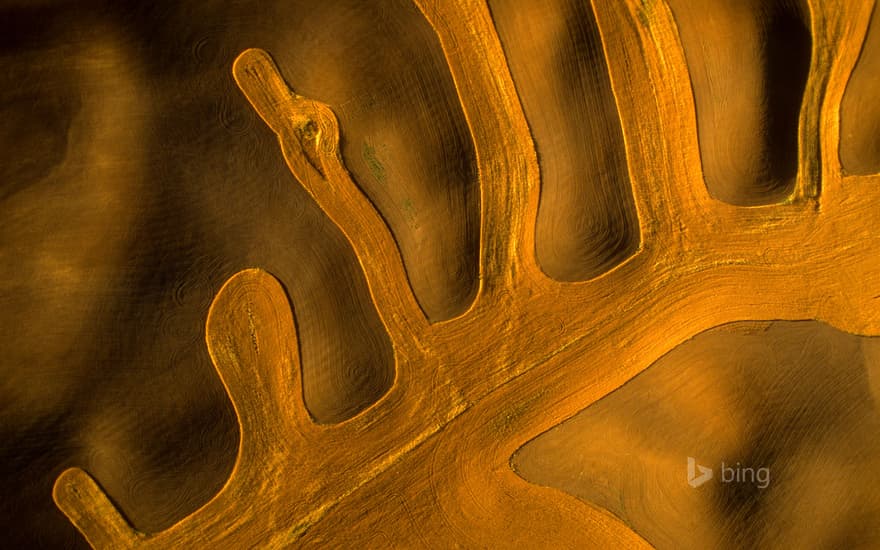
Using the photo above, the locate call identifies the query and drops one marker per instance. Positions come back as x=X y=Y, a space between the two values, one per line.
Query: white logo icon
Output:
x=695 y=480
